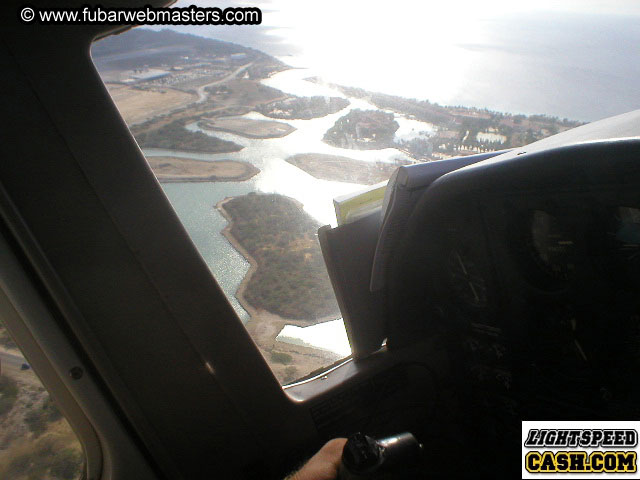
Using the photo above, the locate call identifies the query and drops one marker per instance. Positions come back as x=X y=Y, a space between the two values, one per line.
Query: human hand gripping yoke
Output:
x=394 y=457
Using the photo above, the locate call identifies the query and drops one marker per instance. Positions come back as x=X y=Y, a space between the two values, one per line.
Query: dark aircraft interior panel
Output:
x=513 y=294
x=532 y=287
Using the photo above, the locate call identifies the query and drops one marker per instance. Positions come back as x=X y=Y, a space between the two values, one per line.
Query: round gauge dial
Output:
x=551 y=244
x=466 y=278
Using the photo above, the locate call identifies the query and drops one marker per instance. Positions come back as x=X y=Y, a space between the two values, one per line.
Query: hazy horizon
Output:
x=527 y=59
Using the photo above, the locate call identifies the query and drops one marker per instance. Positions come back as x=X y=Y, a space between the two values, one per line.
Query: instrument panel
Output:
x=525 y=269
x=536 y=296
x=539 y=296
x=554 y=246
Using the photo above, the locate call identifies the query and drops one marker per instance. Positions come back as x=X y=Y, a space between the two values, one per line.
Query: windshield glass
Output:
x=254 y=130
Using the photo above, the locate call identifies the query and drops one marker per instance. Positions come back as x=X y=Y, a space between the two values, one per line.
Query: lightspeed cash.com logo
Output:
x=580 y=449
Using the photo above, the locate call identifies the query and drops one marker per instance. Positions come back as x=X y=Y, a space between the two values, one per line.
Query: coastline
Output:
x=239 y=248
x=168 y=169
x=248 y=128
x=264 y=326
x=343 y=169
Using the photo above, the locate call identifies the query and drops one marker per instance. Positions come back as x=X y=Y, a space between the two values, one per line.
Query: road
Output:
x=202 y=94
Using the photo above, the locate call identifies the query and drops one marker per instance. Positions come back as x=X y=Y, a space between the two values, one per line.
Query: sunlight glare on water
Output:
x=518 y=57
x=355 y=44
x=330 y=336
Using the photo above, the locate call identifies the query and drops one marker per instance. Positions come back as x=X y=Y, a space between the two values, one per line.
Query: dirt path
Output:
x=202 y=92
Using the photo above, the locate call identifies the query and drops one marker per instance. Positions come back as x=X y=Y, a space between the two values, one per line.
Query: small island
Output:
x=163 y=81
x=247 y=127
x=174 y=136
x=363 y=130
x=303 y=108
x=280 y=238
x=176 y=169
x=344 y=169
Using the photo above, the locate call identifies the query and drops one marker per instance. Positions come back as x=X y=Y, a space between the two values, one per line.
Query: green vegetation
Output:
x=166 y=47
x=291 y=278
x=363 y=129
x=47 y=448
x=38 y=419
x=8 y=394
x=458 y=127
x=66 y=464
x=303 y=107
x=246 y=92
x=174 y=136
x=47 y=457
x=422 y=110
x=281 y=357
x=418 y=148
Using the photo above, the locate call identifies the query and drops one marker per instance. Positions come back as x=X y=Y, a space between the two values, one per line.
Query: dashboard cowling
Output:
x=526 y=268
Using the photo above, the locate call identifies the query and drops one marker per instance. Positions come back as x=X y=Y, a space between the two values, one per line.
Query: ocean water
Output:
x=568 y=64
x=194 y=202
x=581 y=64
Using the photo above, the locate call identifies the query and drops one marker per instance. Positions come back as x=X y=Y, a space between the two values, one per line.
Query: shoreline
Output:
x=169 y=169
x=263 y=129
x=343 y=169
x=264 y=326
x=254 y=311
x=253 y=264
